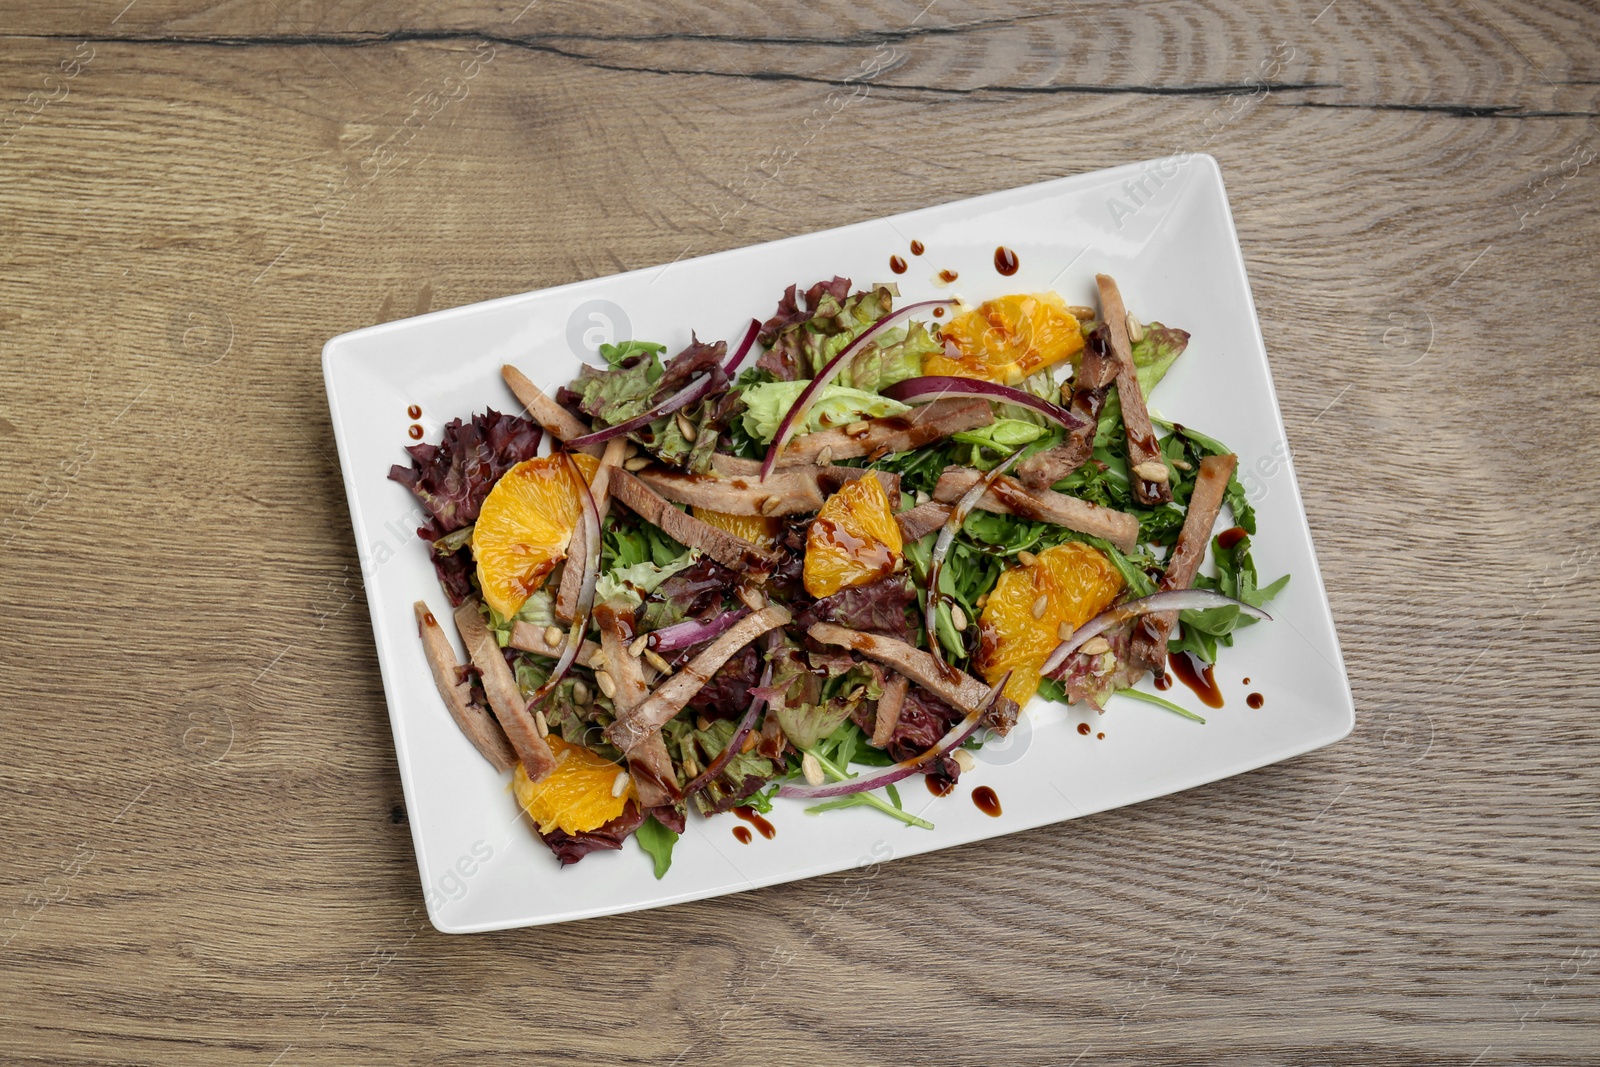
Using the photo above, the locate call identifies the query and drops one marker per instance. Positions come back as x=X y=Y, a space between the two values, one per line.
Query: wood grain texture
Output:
x=207 y=860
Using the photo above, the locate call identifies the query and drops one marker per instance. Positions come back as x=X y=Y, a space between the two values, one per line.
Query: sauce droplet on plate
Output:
x=987 y=802
x=938 y=313
x=939 y=787
x=897 y=264
x=1198 y=678
x=1083 y=728
x=414 y=411
x=1231 y=536
x=948 y=276
x=742 y=833
x=1247 y=681
x=415 y=432
x=916 y=248
x=1164 y=682
x=1255 y=700
x=1099 y=737
x=749 y=815
x=1005 y=261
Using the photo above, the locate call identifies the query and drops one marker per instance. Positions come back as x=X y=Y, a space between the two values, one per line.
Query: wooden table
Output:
x=206 y=858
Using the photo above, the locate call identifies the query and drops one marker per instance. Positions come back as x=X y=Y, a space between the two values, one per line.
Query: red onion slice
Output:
x=736 y=742
x=681 y=399
x=1173 y=600
x=941 y=548
x=693 y=631
x=904 y=769
x=591 y=575
x=831 y=371
x=744 y=349
x=933 y=387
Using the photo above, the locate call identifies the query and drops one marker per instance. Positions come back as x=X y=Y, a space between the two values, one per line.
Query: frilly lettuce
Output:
x=633 y=584
x=766 y=405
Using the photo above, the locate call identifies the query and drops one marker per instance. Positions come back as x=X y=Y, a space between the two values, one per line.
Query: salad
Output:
x=841 y=555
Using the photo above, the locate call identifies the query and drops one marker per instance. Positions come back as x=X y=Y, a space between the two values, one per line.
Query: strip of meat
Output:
x=720 y=545
x=1097 y=369
x=891 y=433
x=560 y=423
x=530 y=638
x=1010 y=497
x=578 y=550
x=1150 y=634
x=671 y=695
x=829 y=479
x=791 y=491
x=505 y=697
x=1147 y=471
x=922 y=520
x=653 y=776
x=889 y=705
x=479 y=726
x=956 y=688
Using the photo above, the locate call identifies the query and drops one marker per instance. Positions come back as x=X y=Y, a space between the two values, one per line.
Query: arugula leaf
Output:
x=1204 y=631
x=657 y=840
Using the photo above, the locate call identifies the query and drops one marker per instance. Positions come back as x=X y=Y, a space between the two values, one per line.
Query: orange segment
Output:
x=587 y=464
x=1006 y=339
x=523 y=530
x=1075 y=582
x=757 y=529
x=854 y=539
x=576 y=797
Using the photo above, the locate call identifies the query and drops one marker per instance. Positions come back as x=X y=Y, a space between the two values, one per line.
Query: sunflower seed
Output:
x=637 y=463
x=1064 y=631
x=857 y=428
x=1095 y=646
x=1152 y=470
x=811 y=769
x=686 y=427
x=619 y=785
x=825 y=457
x=607 y=685
x=655 y=659
x=1183 y=464
x=540 y=723
x=1081 y=313
x=1039 y=606
x=981 y=601
x=771 y=505
x=690 y=767
x=922 y=497
x=749 y=742
x=580 y=693
x=639 y=645
x=964 y=760
x=1026 y=558
x=1135 y=329
x=958 y=618
x=598 y=660
x=552 y=636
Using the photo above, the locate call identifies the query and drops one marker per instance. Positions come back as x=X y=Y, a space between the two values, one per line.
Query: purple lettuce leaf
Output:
x=452 y=478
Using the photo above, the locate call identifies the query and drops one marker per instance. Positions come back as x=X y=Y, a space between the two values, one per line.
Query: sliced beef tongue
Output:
x=792 y=491
x=1147 y=471
x=1150 y=634
x=649 y=762
x=891 y=433
x=719 y=544
x=1010 y=497
x=1097 y=370
x=950 y=685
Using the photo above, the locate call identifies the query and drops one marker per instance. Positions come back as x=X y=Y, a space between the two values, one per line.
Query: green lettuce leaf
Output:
x=657 y=840
x=633 y=584
x=835 y=405
x=894 y=357
x=1155 y=353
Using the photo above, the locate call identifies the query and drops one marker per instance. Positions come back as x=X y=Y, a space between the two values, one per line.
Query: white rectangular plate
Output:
x=1162 y=228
